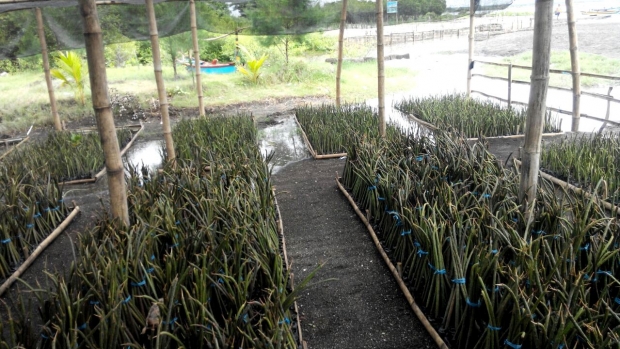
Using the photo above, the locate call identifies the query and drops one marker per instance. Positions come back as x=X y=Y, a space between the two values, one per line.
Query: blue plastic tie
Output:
x=419 y=158
x=372 y=187
x=493 y=328
x=381 y=199
x=245 y=318
x=44 y=336
x=486 y=196
x=471 y=304
x=474 y=192
x=56 y=208
x=47 y=209
x=585 y=248
x=171 y=322
x=37 y=215
x=150 y=270
x=94 y=302
x=437 y=271
x=220 y=280
x=516 y=220
x=604 y=272
x=460 y=281
x=177 y=222
x=512 y=345
x=26 y=208
x=408 y=232
x=617 y=300
x=28 y=226
x=83 y=326
x=494 y=251
x=138 y=284
x=126 y=300
x=6 y=241
x=421 y=253
x=285 y=321
x=560 y=346
x=419 y=208
x=539 y=232
x=416 y=244
x=61 y=200
x=152 y=257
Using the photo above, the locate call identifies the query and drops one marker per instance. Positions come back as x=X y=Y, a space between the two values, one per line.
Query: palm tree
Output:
x=71 y=72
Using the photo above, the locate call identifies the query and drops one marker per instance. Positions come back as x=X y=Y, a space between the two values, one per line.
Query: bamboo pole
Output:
x=401 y=284
x=42 y=246
x=46 y=69
x=472 y=32
x=192 y=13
x=380 y=68
x=161 y=88
x=536 y=107
x=574 y=62
x=607 y=113
x=103 y=113
x=509 y=85
x=343 y=20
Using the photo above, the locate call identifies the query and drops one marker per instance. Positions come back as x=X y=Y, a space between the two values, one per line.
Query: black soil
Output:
x=357 y=303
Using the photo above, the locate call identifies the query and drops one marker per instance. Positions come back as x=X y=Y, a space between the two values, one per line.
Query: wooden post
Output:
x=472 y=31
x=608 y=110
x=574 y=62
x=510 y=85
x=192 y=14
x=46 y=69
x=103 y=112
x=380 y=68
x=161 y=88
x=343 y=22
x=543 y=21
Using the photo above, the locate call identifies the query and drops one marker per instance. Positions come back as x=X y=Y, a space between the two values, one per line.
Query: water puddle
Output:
x=147 y=153
x=280 y=135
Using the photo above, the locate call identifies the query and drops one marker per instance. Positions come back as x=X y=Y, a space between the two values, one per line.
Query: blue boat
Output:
x=213 y=67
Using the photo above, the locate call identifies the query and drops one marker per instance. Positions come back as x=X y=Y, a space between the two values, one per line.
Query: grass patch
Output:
x=589 y=63
x=24 y=98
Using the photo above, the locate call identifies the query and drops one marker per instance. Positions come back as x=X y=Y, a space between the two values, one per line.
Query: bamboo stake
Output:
x=607 y=113
x=380 y=68
x=509 y=85
x=14 y=147
x=418 y=312
x=103 y=112
x=22 y=268
x=574 y=62
x=46 y=69
x=311 y=149
x=536 y=107
x=343 y=19
x=192 y=13
x=161 y=88
x=472 y=32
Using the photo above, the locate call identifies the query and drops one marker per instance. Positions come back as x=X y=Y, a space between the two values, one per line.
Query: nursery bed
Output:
x=311 y=149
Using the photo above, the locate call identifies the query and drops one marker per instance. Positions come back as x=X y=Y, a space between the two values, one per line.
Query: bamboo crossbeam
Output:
x=557 y=71
x=14 y=147
x=403 y=287
x=42 y=246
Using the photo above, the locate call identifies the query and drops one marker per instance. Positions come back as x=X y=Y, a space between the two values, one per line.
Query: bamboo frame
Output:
x=560 y=183
x=559 y=71
x=280 y=226
x=574 y=61
x=46 y=69
x=343 y=19
x=103 y=171
x=159 y=79
x=380 y=68
x=528 y=184
x=192 y=13
x=42 y=246
x=15 y=146
x=472 y=33
x=403 y=287
x=103 y=112
x=311 y=149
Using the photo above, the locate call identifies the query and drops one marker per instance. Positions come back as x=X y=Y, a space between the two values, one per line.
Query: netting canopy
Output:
x=126 y=20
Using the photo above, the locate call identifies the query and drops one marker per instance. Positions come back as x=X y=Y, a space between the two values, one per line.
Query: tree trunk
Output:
x=161 y=88
x=343 y=20
x=380 y=68
x=46 y=69
x=472 y=33
x=103 y=112
x=536 y=107
x=574 y=62
x=286 y=49
x=192 y=8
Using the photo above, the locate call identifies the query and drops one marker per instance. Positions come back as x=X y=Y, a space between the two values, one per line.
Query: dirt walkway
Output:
x=362 y=307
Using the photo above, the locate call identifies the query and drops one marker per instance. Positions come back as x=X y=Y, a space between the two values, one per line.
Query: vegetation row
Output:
x=585 y=160
x=200 y=266
x=62 y=156
x=471 y=117
x=486 y=276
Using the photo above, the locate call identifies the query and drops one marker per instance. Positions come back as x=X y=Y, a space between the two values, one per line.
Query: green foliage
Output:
x=144 y=52
x=221 y=49
x=253 y=71
x=71 y=72
x=121 y=55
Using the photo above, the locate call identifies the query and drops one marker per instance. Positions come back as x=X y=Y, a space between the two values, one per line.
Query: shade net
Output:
x=126 y=20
